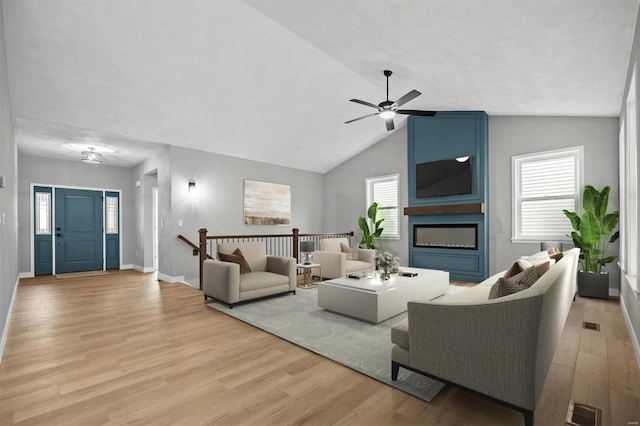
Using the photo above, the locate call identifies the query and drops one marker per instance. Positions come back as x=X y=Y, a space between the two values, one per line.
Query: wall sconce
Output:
x=192 y=186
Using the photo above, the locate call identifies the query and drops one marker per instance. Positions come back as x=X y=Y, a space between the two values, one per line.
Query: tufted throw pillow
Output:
x=236 y=257
x=506 y=286
x=351 y=252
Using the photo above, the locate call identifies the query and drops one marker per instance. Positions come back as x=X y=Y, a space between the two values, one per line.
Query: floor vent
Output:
x=591 y=326
x=583 y=415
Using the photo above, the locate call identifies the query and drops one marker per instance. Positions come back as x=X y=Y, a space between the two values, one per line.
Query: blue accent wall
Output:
x=449 y=135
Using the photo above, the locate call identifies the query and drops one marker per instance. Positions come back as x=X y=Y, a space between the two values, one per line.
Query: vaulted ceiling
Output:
x=270 y=80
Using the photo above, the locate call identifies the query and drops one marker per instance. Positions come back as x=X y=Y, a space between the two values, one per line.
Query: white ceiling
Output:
x=270 y=80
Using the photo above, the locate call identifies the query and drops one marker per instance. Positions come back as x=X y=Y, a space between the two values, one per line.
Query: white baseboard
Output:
x=5 y=332
x=143 y=269
x=194 y=284
x=178 y=279
x=632 y=333
x=26 y=275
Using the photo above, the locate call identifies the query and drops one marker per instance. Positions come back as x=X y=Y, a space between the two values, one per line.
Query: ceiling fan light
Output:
x=91 y=156
x=462 y=159
x=387 y=114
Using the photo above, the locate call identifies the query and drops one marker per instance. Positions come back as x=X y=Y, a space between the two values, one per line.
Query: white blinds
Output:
x=548 y=183
x=384 y=191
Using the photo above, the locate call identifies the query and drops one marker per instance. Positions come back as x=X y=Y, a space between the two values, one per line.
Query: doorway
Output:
x=154 y=226
x=74 y=230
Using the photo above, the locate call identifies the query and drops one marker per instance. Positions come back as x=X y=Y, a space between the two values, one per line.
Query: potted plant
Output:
x=369 y=235
x=592 y=233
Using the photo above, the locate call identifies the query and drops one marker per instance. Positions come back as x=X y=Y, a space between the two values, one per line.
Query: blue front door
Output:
x=78 y=230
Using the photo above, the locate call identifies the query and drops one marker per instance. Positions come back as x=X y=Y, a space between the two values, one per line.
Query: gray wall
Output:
x=78 y=175
x=218 y=203
x=8 y=196
x=510 y=136
x=345 y=192
x=629 y=300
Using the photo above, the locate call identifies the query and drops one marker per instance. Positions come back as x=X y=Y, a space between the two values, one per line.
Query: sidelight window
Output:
x=43 y=213
x=112 y=215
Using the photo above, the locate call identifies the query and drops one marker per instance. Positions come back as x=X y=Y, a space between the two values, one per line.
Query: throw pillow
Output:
x=541 y=256
x=351 y=252
x=506 y=286
x=236 y=257
x=522 y=265
x=557 y=256
x=244 y=263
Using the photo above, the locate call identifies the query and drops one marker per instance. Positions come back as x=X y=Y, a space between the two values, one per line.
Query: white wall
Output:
x=73 y=174
x=630 y=300
x=8 y=197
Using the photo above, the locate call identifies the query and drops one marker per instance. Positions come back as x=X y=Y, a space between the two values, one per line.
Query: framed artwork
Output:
x=266 y=203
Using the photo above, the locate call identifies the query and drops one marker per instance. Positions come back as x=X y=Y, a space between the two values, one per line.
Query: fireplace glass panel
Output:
x=455 y=236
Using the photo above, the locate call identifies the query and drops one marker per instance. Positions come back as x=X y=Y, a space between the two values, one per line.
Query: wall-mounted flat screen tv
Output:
x=444 y=177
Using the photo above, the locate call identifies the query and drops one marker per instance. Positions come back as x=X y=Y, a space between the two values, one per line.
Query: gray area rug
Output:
x=356 y=344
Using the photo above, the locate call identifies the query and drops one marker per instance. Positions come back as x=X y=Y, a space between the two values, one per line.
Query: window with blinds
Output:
x=544 y=184
x=384 y=191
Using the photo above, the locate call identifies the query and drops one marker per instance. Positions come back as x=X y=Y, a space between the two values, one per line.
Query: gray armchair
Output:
x=268 y=275
x=335 y=263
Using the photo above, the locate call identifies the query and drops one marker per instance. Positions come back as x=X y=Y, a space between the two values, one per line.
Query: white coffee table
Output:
x=373 y=300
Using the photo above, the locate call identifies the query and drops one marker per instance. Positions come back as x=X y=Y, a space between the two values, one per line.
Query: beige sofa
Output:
x=335 y=263
x=269 y=275
x=501 y=348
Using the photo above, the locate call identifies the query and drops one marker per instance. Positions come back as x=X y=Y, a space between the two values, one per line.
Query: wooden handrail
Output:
x=295 y=235
x=195 y=248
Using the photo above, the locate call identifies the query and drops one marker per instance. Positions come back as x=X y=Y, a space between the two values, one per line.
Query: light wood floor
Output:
x=125 y=348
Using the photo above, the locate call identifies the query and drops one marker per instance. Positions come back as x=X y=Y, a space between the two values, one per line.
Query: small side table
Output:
x=306 y=274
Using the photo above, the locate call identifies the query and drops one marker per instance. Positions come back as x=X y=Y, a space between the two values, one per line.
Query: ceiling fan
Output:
x=388 y=109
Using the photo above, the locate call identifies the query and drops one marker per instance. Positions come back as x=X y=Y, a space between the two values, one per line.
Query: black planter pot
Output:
x=591 y=284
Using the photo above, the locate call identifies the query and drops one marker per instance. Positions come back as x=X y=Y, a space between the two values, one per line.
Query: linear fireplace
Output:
x=446 y=236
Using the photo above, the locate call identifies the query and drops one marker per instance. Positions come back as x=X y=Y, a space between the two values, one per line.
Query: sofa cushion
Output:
x=332 y=244
x=261 y=279
x=352 y=253
x=357 y=265
x=400 y=333
x=255 y=252
x=506 y=286
x=236 y=257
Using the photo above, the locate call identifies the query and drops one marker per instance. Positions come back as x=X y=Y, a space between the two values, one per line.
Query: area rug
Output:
x=83 y=274
x=359 y=345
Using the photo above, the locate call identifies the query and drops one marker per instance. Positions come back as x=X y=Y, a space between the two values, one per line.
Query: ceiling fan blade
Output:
x=360 y=118
x=406 y=98
x=389 y=123
x=358 y=101
x=416 y=112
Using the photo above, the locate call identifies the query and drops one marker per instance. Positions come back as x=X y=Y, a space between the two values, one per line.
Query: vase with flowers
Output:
x=385 y=261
